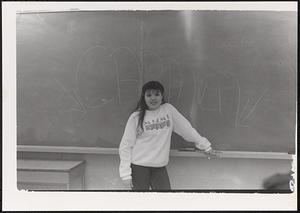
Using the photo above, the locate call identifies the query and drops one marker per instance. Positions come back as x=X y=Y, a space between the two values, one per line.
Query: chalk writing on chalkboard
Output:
x=231 y=73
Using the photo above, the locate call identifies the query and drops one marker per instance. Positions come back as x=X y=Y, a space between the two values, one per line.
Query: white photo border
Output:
x=22 y=200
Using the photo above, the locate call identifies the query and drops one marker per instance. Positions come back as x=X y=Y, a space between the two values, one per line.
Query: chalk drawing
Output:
x=82 y=56
x=202 y=95
x=117 y=79
x=117 y=70
x=180 y=75
x=194 y=107
x=291 y=66
x=244 y=109
x=42 y=22
x=72 y=95
x=180 y=88
x=77 y=99
x=238 y=103
x=238 y=113
x=200 y=100
x=40 y=19
x=255 y=105
x=220 y=99
x=102 y=104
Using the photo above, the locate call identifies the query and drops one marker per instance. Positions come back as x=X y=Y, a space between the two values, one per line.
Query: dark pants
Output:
x=144 y=177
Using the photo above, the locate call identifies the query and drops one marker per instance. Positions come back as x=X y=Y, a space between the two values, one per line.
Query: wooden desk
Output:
x=50 y=174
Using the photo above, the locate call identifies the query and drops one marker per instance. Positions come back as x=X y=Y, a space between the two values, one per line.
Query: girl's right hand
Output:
x=128 y=183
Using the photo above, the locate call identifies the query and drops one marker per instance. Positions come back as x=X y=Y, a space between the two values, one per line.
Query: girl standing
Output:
x=145 y=145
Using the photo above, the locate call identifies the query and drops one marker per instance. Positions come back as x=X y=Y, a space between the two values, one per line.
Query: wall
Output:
x=187 y=171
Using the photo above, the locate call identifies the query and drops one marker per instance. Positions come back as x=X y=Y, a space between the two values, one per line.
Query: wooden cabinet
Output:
x=50 y=174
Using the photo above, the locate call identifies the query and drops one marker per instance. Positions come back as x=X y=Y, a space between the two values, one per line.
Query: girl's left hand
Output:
x=212 y=153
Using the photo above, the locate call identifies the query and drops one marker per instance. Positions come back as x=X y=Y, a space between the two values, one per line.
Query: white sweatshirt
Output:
x=151 y=147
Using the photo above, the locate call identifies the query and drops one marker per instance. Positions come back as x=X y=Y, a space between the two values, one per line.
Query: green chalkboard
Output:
x=231 y=73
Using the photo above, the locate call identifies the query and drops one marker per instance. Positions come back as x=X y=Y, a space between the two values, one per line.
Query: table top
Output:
x=47 y=165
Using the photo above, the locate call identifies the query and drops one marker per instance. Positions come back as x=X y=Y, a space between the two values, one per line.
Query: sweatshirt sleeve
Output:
x=125 y=148
x=184 y=128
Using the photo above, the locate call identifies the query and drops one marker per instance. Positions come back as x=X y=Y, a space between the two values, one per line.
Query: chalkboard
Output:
x=232 y=74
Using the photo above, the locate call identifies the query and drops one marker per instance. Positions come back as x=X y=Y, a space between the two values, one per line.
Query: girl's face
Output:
x=153 y=99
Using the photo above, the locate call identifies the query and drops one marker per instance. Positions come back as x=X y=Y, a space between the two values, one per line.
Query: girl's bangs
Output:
x=153 y=85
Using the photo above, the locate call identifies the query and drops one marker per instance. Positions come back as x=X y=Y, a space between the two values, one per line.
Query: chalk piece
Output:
x=191 y=149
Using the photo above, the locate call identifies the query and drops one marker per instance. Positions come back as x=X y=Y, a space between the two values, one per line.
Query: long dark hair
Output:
x=141 y=105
